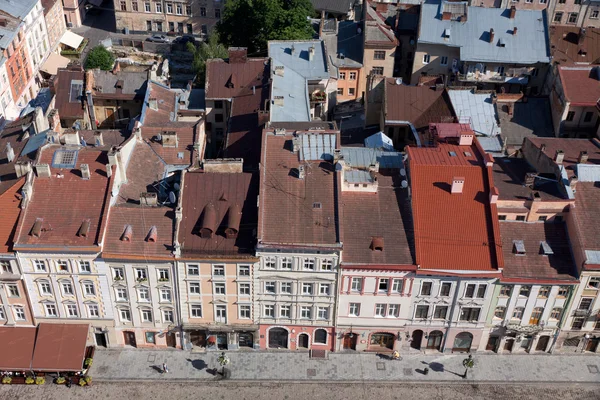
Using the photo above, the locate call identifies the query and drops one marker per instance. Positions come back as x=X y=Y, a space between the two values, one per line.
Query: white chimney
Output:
x=583 y=157
x=42 y=170
x=457 y=185
x=278 y=101
x=559 y=157
x=279 y=70
x=10 y=153
x=465 y=139
x=494 y=195
x=85 y=171
x=301 y=172
x=311 y=53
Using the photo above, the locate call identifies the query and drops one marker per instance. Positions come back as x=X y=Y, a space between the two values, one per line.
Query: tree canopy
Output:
x=101 y=58
x=210 y=49
x=251 y=23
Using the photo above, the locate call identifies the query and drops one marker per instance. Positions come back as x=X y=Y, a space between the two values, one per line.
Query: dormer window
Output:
x=545 y=248
x=152 y=235
x=377 y=244
x=519 y=247
x=127 y=234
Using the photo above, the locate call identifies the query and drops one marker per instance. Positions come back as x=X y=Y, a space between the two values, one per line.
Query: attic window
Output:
x=234 y=217
x=36 y=230
x=501 y=42
x=452 y=154
x=446 y=33
x=468 y=154
x=519 y=247
x=545 y=248
x=64 y=159
x=377 y=243
x=127 y=234
x=152 y=235
x=84 y=229
x=317 y=206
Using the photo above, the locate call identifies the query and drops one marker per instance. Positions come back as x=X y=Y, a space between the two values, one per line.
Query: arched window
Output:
x=320 y=336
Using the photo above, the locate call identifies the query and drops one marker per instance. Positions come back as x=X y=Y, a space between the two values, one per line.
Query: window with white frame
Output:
x=46 y=288
x=440 y=312
x=193 y=270
x=245 y=311
x=524 y=291
x=544 y=291
x=2 y=316
x=169 y=8
x=194 y=287
x=62 y=266
x=470 y=314
x=356 y=284
x=19 y=313
x=393 y=310
x=307 y=288
x=594 y=14
x=556 y=313
x=178 y=8
x=12 y=290
x=518 y=313
x=563 y=291
x=244 y=270
x=505 y=290
x=85 y=267
x=125 y=314
x=326 y=265
x=426 y=288
x=443 y=61
x=118 y=274
x=167 y=316
x=143 y=294
x=286 y=263
x=50 y=310
x=285 y=311
x=305 y=312
x=594 y=282
x=500 y=312
x=218 y=270
x=121 y=294
x=286 y=287
x=141 y=274
x=270 y=263
x=380 y=310
x=270 y=287
x=72 y=311
x=269 y=311
x=67 y=288
x=397 y=285
x=383 y=284
x=39 y=265
x=146 y=315
x=196 y=310
x=5 y=267
x=309 y=264
x=165 y=294
x=421 y=311
x=426 y=58
x=163 y=275
x=158 y=7
x=354 y=310
x=244 y=289
x=324 y=289
x=89 y=289
x=93 y=311
x=445 y=289
x=220 y=288
x=322 y=312
x=481 y=289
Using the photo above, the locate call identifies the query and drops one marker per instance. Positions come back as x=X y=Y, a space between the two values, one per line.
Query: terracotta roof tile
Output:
x=17 y=138
x=566 y=46
x=166 y=104
x=587 y=215
x=181 y=154
x=581 y=85
x=509 y=178
x=219 y=74
x=571 y=149
x=144 y=171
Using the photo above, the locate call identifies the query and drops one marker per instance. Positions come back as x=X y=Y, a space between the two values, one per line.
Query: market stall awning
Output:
x=16 y=348
x=71 y=39
x=60 y=347
x=53 y=63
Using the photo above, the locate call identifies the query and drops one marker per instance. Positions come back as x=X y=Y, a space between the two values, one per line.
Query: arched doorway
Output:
x=349 y=342
x=278 y=338
x=434 y=340
x=417 y=338
x=382 y=340
x=462 y=342
x=303 y=341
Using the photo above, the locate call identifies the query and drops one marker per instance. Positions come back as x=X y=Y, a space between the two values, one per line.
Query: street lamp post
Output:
x=468 y=363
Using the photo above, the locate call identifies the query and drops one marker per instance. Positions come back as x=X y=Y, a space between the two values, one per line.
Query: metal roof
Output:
x=317 y=146
x=361 y=157
x=476 y=107
x=18 y=8
x=358 y=176
x=530 y=45
x=588 y=172
x=592 y=257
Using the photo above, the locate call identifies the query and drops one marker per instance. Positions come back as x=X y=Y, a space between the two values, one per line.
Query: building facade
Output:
x=55 y=22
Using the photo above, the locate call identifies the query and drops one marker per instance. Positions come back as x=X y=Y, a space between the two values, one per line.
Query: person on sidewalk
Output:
x=395 y=355
x=165 y=368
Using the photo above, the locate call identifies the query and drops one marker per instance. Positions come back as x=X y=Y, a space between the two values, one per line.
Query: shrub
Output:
x=61 y=380
x=88 y=362
x=6 y=380
x=101 y=58
x=40 y=380
x=29 y=380
x=82 y=382
x=88 y=380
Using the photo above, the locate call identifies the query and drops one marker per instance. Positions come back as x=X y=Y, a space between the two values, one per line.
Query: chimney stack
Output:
x=98 y=139
x=279 y=70
x=457 y=185
x=583 y=157
x=301 y=172
x=513 y=12
x=494 y=193
x=42 y=170
x=22 y=168
x=581 y=36
x=278 y=101
x=85 y=171
x=573 y=182
x=10 y=153
x=311 y=53
x=515 y=31
x=446 y=16
x=237 y=55
x=491 y=35
x=148 y=199
x=559 y=157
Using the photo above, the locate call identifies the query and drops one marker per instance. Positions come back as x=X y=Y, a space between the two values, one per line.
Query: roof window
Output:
x=152 y=235
x=36 y=230
x=545 y=248
x=452 y=153
x=127 y=234
x=519 y=247
x=64 y=158
x=84 y=229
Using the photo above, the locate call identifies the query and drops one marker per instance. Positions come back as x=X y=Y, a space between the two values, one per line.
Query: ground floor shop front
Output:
x=526 y=339
x=297 y=337
x=221 y=337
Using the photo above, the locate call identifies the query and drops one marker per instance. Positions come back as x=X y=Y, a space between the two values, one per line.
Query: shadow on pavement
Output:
x=198 y=364
x=157 y=368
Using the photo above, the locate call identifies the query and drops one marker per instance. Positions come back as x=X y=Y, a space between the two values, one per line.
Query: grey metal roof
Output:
x=588 y=172
x=17 y=8
x=358 y=176
x=344 y=48
x=492 y=145
x=592 y=257
x=530 y=45
x=133 y=82
x=362 y=157
x=334 y=6
x=317 y=146
x=476 y=109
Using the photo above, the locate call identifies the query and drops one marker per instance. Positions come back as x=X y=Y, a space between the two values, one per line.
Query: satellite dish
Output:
x=398 y=81
x=338 y=166
x=172 y=197
x=404 y=184
x=403 y=172
x=176 y=186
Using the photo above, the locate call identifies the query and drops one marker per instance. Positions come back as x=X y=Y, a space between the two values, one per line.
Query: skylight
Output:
x=64 y=159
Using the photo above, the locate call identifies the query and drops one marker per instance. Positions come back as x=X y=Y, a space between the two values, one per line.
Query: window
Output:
x=123 y=6
x=309 y=264
x=573 y=16
x=594 y=282
x=159 y=26
x=520 y=218
x=270 y=263
x=218 y=117
x=217 y=13
x=286 y=263
x=244 y=289
x=286 y=287
x=196 y=310
x=323 y=313
x=140 y=274
x=305 y=312
x=380 y=310
x=426 y=58
x=356 y=284
x=352 y=76
x=19 y=313
x=578 y=323
x=13 y=290
x=500 y=312
x=147 y=7
x=193 y=270
x=422 y=311
x=72 y=311
x=324 y=289
x=188 y=10
x=383 y=284
x=563 y=291
x=342 y=76
x=594 y=14
x=158 y=7
x=143 y=294
x=62 y=266
x=146 y=315
x=440 y=312
x=134 y=6
x=244 y=270
x=270 y=287
x=167 y=315
x=85 y=267
x=340 y=91
x=121 y=294
x=518 y=313
x=470 y=291
x=326 y=265
x=443 y=61
x=586 y=303
x=524 y=291
x=505 y=290
x=544 y=291
x=50 y=310
x=218 y=104
x=500 y=70
x=377 y=71
x=570 y=116
x=269 y=311
x=481 y=291
x=556 y=313
x=5 y=267
x=397 y=285
x=470 y=314
x=536 y=315
x=125 y=314
x=190 y=29
x=445 y=289
x=285 y=312
x=426 y=289
x=163 y=275
x=2 y=316
x=89 y=289
x=542 y=218
x=220 y=288
x=558 y=16
x=219 y=270
x=307 y=288
x=46 y=289
x=165 y=295
x=194 y=287
x=203 y=11
x=169 y=8
x=245 y=311
x=93 y=311
x=354 y=310
x=379 y=55
x=118 y=274
x=178 y=8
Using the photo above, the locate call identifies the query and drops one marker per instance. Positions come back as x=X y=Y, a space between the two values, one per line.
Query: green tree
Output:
x=251 y=23
x=101 y=58
x=205 y=51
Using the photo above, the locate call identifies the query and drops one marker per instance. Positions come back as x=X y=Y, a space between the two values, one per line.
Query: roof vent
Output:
x=446 y=33
x=501 y=42
x=234 y=217
x=457 y=185
x=84 y=229
x=583 y=157
x=152 y=235
x=209 y=220
x=559 y=157
x=545 y=248
x=279 y=70
x=148 y=199
x=377 y=243
x=311 y=53
x=519 y=247
x=127 y=234
x=42 y=170
x=10 y=153
x=85 y=171
x=169 y=138
x=36 y=230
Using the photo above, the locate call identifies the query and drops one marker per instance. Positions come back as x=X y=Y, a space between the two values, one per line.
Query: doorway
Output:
x=222 y=341
x=508 y=344
x=246 y=339
x=221 y=314
x=129 y=338
x=592 y=345
x=100 y=339
x=198 y=338
x=492 y=343
x=417 y=338
x=278 y=338
x=349 y=342
x=462 y=342
x=542 y=343
x=171 y=340
x=303 y=341
x=434 y=340
x=382 y=340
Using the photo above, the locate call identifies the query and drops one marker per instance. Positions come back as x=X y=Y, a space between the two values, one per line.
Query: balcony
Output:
x=581 y=313
x=512 y=75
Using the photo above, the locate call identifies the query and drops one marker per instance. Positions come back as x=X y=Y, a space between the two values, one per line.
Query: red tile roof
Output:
x=509 y=178
x=586 y=213
x=566 y=47
x=386 y=215
x=166 y=101
x=287 y=212
x=221 y=73
x=571 y=149
x=453 y=231
x=209 y=201
x=62 y=86
x=581 y=85
x=16 y=346
x=59 y=347
x=14 y=135
x=534 y=264
x=186 y=137
x=64 y=201
x=10 y=210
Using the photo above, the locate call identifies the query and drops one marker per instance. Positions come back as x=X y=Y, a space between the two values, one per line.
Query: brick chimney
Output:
x=515 y=31
x=117 y=68
x=583 y=157
x=491 y=35
x=513 y=12
x=559 y=156
x=238 y=55
x=446 y=16
x=457 y=185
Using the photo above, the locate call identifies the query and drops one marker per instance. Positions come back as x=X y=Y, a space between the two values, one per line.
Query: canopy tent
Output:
x=16 y=347
x=71 y=39
x=53 y=63
x=379 y=141
x=60 y=347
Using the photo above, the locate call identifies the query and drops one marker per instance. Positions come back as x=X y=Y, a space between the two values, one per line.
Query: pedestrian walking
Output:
x=165 y=368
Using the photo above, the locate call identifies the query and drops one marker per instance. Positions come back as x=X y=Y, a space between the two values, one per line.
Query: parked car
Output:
x=185 y=39
x=159 y=39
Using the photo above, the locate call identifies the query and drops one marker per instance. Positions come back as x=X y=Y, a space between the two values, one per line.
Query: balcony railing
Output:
x=581 y=313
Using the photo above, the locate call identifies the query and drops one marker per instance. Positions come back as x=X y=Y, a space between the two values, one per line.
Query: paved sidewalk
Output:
x=131 y=364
